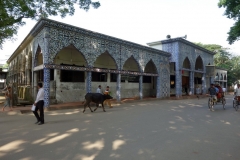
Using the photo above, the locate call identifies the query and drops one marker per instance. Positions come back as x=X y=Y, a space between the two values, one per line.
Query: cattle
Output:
x=97 y=98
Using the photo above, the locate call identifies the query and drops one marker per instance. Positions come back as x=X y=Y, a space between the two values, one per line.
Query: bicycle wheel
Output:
x=223 y=102
x=234 y=103
x=209 y=103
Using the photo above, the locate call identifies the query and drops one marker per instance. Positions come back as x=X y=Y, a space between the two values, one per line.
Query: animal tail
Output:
x=83 y=102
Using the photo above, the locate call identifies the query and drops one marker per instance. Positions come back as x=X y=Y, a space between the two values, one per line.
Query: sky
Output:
x=145 y=21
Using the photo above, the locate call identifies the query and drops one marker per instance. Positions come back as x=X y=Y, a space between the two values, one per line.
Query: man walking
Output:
x=39 y=103
x=8 y=97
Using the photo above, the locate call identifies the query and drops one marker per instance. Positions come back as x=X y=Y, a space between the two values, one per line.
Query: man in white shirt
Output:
x=39 y=103
x=99 y=89
x=237 y=90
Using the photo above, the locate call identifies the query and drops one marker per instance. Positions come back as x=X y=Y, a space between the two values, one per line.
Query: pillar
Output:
x=89 y=82
x=35 y=81
x=204 y=85
x=140 y=86
x=178 y=81
x=118 y=89
x=158 y=86
x=46 y=71
x=191 y=81
x=46 y=87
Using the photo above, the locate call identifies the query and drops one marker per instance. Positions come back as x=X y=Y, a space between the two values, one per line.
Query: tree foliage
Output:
x=13 y=12
x=233 y=12
x=225 y=60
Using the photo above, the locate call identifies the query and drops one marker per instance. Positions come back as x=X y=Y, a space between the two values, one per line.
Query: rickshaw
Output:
x=220 y=100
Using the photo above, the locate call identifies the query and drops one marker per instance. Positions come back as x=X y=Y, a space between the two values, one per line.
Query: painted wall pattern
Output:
x=180 y=51
x=55 y=36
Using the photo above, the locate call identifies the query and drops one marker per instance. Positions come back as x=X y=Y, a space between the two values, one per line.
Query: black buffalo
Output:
x=97 y=98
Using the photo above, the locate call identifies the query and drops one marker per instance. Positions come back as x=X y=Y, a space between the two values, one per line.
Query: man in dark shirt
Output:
x=212 y=91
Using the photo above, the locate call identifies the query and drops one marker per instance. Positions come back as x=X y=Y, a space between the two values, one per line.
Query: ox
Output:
x=97 y=98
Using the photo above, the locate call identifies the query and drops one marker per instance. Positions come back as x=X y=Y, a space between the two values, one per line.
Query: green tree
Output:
x=13 y=12
x=5 y=65
x=225 y=60
x=232 y=12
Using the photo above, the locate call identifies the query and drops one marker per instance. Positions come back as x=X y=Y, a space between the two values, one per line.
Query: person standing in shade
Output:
x=39 y=103
x=99 y=89
x=8 y=97
x=108 y=101
x=186 y=89
x=237 y=93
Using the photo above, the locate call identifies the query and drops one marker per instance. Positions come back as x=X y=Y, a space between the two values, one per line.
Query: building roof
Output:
x=43 y=22
x=180 y=39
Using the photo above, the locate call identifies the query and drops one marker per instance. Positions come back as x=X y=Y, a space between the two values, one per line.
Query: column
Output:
x=46 y=71
x=204 y=86
x=118 y=89
x=211 y=80
x=108 y=78
x=28 y=76
x=191 y=81
x=140 y=86
x=46 y=87
x=158 y=87
x=89 y=82
x=35 y=81
x=178 y=81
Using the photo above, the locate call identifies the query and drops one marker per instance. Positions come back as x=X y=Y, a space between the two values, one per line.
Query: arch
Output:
x=128 y=52
x=105 y=60
x=199 y=64
x=55 y=49
x=216 y=77
x=186 y=63
x=131 y=64
x=225 y=77
x=150 y=67
x=38 y=59
x=70 y=55
x=221 y=77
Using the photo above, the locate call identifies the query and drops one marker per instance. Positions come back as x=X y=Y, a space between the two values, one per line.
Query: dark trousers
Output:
x=39 y=106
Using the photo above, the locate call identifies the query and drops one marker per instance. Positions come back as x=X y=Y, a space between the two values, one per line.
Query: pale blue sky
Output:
x=144 y=21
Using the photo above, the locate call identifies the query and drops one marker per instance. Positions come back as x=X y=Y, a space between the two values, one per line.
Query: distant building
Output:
x=188 y=63
x=3 y=76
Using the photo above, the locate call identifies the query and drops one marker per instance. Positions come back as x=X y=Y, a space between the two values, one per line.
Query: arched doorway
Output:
x=186 y=76
x=104 y=61
x=66 y=84
x=198 y=75
x=130 y=85
x=149 y=82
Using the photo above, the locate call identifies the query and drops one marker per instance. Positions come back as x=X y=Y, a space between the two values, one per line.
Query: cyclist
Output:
x=212 y=91
x=237 y=93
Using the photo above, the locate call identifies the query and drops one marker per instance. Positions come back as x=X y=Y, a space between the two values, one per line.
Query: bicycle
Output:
x=211 y=102
x=236 y=103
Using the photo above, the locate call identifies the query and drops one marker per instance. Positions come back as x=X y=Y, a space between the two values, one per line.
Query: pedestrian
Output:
x=39 y=103
x=237 y=93
x=186 y=89
x=198 y=91
x=99 y=89
x=212 y=91
x=8 y=97
x=108 y=101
